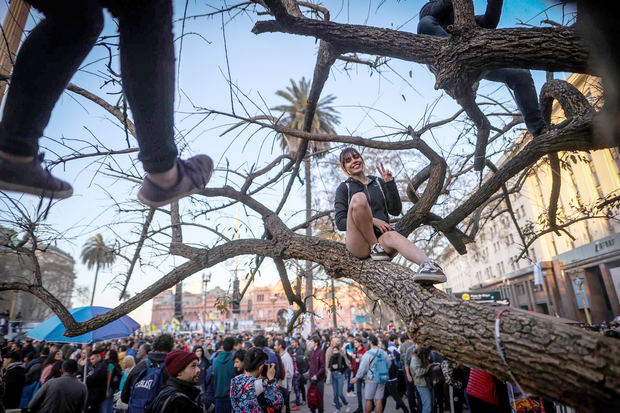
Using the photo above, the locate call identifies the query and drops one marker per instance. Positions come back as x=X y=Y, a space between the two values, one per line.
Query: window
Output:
x=260 y=313
x=260 y=298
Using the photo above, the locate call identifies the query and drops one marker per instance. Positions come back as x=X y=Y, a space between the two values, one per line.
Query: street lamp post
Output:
x=206 y=277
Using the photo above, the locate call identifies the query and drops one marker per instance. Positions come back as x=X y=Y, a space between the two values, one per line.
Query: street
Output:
x=329 y=407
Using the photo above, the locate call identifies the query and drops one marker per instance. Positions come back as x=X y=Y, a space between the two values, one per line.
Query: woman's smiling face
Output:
x=353 y=163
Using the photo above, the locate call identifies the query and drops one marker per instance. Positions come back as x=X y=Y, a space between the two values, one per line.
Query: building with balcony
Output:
x=559 y=274
x=262 y=308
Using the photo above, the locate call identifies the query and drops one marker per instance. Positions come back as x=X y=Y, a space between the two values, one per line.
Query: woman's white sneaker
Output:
x=377 y=253
x=430 y=272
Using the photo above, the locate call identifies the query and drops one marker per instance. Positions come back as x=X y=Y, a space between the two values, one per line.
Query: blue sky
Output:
x=259 y=66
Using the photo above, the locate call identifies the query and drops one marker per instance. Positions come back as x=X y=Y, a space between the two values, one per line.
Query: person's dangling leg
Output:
x=46 y=62
x=521 y=83
x=147 y=68
x=393 y=241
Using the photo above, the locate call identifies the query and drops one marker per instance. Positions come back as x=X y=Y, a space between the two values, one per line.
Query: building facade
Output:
x=57 y=274
x=558 y=273
x=262 y=308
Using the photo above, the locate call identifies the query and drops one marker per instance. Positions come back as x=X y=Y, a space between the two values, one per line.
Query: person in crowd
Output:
x=162 y=345
x=96 y=382
x=413 y=398
x=114 y=374
x=238 y=361
x=261 y=341
x=180 y=394
x=51 y=367
x=65 y=394
x=50 y=56
x=301 y=361
x=223 y=372
x=286 y=383
x=373 y=391
x=127 y=365
x=349 y=349
x=337 y=363
x=35 y=366
x=122 y=353
x=14 y=378
x=419 y=367
x=256 y=389
x=362 y=207
x=204 y=364
x=358 y=353
x=437 y=15
x=142 y=352
x=317 y=370
x=391 y=387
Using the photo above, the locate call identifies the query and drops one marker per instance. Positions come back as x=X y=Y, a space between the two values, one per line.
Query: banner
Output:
x=362 y=318
x=538 y=275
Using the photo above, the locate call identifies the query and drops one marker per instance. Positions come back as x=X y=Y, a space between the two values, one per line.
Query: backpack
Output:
x=28 y=393
x=302 y=364
x=315 y=401
x=380 y=370
x=395 y=366
x=146 y=387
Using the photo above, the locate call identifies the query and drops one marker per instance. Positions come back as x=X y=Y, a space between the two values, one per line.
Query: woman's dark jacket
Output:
x=382 y=196
x=177 y=396
x=337 y=360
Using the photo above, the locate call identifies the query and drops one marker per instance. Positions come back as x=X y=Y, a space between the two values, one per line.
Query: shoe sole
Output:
x=154 y=204
x=430 y=278
x=380 y=258
x=33 y=190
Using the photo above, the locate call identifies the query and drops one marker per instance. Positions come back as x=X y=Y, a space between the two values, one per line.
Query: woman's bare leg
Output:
x=360 y=233
x=393 y=241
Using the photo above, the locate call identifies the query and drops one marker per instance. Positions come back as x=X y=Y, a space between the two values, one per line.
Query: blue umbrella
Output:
x=52 y=329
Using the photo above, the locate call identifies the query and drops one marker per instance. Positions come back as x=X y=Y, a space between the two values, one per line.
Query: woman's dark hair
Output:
x=239 y=355
x=344 y=153
x=253 y=359
x=113 y=356
x=424 y=354
x=51 y=359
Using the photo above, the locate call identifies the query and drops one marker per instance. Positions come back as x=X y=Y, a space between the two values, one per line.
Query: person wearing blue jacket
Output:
x=223 y=373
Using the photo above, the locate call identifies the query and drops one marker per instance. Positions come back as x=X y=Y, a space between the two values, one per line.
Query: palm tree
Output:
x=324 y=121
x=96 y=253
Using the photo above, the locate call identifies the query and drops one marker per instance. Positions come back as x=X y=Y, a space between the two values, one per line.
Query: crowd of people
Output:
x=245 y=373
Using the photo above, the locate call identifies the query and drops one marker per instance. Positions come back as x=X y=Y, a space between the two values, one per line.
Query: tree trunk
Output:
x=548 y=358
x=308 y=265
x=92 y=297
x=178 y=301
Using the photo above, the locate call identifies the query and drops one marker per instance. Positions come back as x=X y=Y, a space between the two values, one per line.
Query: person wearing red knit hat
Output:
x=181 y=393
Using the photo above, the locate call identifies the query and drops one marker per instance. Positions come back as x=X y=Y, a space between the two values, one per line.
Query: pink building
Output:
x=262 y=308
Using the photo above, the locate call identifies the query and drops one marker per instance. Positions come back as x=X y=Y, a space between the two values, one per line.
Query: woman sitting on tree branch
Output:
x=362 y=206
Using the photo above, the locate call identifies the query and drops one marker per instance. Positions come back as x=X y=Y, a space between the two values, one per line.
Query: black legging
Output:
x=54 y=50
x=391 y=389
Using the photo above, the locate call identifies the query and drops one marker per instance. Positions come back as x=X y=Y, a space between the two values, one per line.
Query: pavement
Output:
x=329 y=407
